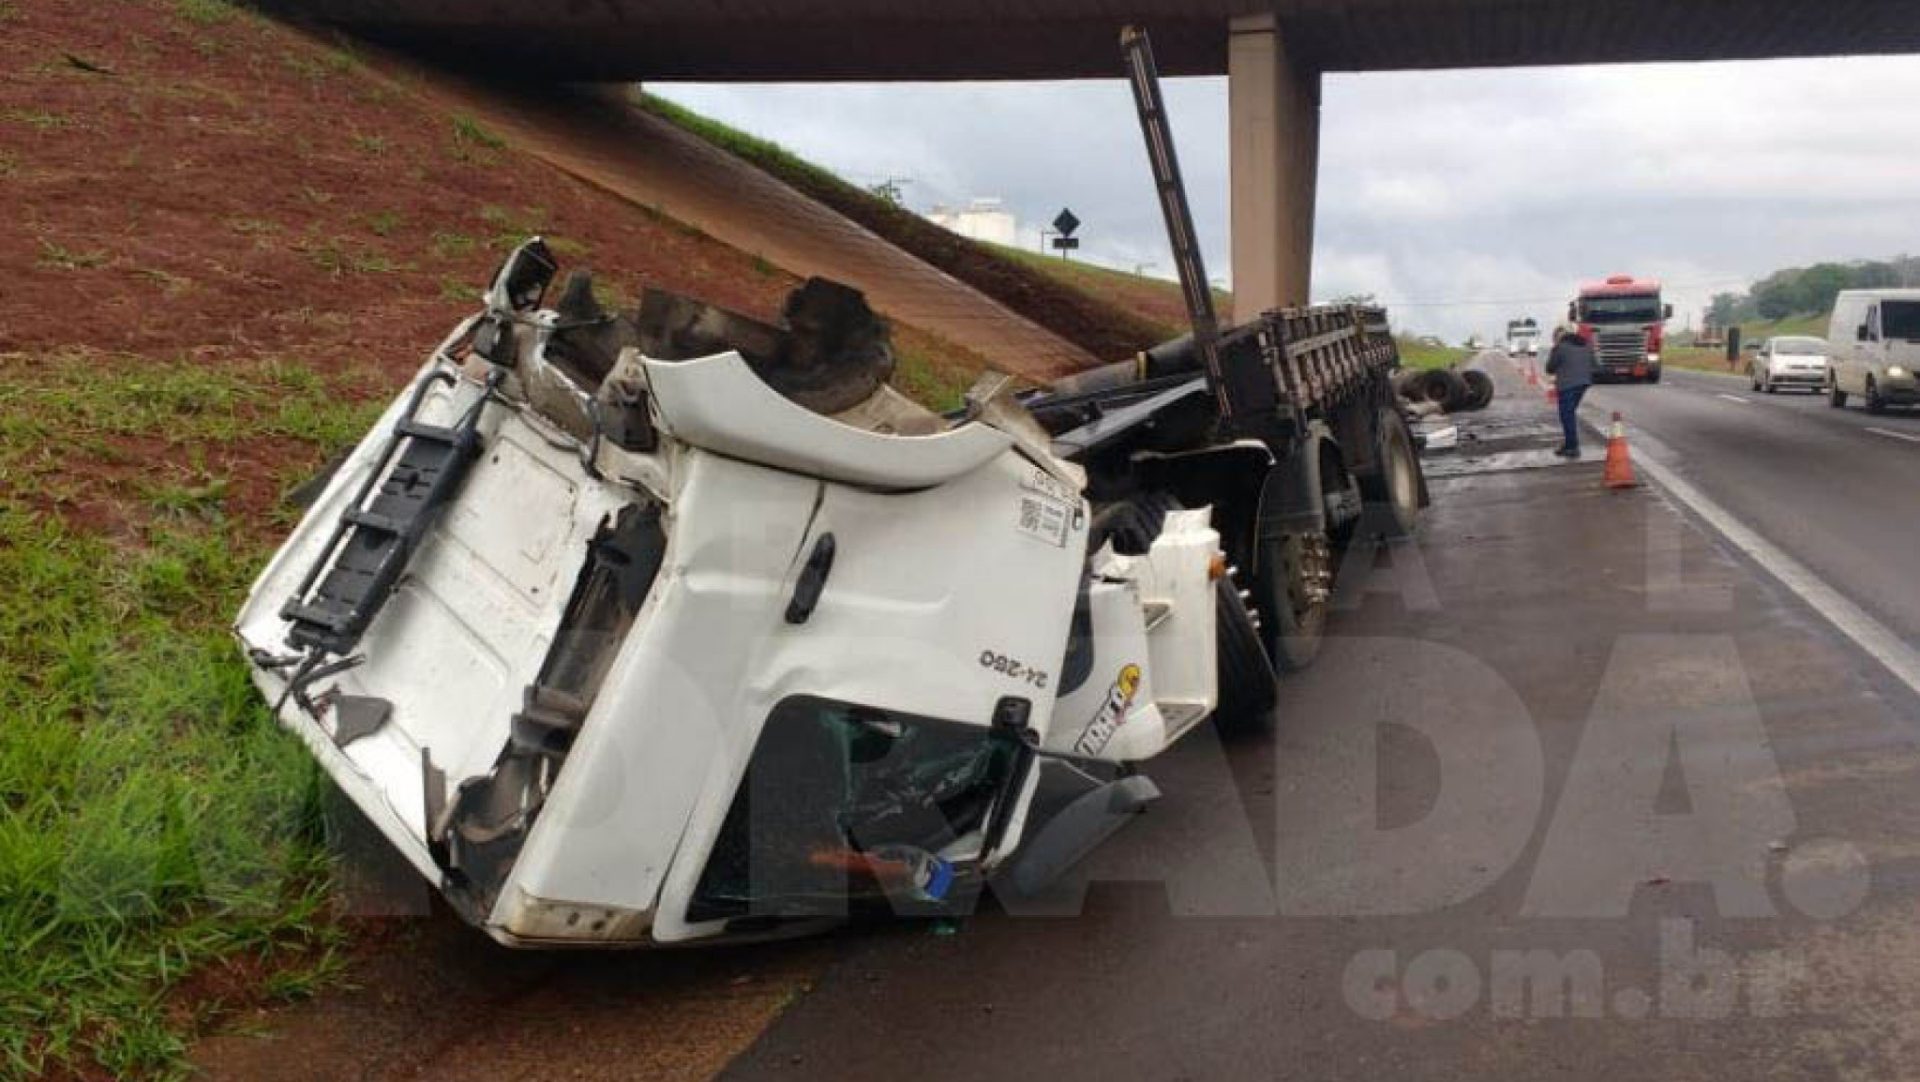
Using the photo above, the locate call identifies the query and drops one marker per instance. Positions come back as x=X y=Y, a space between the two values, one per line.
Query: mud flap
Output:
x=1077 y=830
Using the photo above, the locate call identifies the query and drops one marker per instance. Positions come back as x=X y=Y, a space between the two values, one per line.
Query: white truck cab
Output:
x=1523 y=338
x=1875 y=337
x=683 y=627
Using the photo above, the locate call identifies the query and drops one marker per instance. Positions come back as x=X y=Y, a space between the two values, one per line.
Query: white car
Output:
x=1791 y=361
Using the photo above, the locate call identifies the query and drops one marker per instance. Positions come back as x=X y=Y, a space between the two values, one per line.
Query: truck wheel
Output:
x=1653 y=374
x=1247 y=691
x=1444 y=388
x=1393 y=493
x=1296 y=589
x=1836 y=397
x=1479 y=389
x=1245 y=675
x=1875 y=403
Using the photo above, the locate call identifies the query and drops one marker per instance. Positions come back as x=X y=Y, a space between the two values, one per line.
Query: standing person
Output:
x=1571 y=365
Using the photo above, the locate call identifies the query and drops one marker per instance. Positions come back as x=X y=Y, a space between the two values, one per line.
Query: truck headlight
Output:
x=1894 y=371
x=1653 y=358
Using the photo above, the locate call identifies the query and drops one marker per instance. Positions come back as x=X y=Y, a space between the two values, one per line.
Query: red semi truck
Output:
x=1625 y=320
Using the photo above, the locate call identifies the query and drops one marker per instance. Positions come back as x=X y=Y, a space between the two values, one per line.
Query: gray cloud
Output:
x=1488 y=186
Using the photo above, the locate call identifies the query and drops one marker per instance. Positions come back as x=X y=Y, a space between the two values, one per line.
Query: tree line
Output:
x=1807 y=291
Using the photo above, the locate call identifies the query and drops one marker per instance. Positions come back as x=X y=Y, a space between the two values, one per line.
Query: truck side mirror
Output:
x=1667 y=312
x=1573 y=312
x=1863 y=333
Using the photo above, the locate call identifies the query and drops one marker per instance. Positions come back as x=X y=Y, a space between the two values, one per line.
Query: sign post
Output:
x=1064 y=224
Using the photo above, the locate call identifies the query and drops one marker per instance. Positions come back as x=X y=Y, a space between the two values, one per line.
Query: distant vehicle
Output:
x=1523 y=338
x=1626 y=322
x=1875 y=336
x=1790 y=361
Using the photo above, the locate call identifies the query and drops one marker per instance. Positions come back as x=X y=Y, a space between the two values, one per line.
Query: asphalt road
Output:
x=1570 y=742
x=1576 y=790
x=1834 y=488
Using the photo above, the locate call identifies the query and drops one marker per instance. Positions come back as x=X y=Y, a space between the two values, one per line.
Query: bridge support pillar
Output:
x=1273 y=112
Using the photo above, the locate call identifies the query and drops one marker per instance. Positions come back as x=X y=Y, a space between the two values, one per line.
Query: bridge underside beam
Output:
x=779 y=40
x=1273 y=106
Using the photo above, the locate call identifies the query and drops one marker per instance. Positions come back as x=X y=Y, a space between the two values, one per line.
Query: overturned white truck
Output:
x=673 y=625
x=678 y=625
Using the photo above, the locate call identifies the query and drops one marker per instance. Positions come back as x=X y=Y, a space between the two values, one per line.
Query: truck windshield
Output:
x=1621 y=309
x=1900 y=320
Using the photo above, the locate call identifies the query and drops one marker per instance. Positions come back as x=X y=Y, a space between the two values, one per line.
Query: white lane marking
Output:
x=1908 y=436
x=1869 y=634
x=1733 y=398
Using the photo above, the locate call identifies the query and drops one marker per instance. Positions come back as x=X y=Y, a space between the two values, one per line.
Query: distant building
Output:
x=980 y=219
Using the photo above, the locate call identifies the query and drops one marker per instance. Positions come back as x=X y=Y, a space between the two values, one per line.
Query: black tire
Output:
x=1836 y=397
x=1767 y=386
x=1479 y=389
x=1444 y=388
x=1247 y=679
x=1653 y=374
x=1875 y=403
x=1393 y=492
x=1410 y=386
x=1245 y=675
x=1293 y=590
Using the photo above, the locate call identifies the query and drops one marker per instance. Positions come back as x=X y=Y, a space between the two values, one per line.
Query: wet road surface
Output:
x=1576 y=791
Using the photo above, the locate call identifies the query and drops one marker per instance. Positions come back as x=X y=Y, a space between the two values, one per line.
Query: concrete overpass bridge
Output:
x=1272 y=51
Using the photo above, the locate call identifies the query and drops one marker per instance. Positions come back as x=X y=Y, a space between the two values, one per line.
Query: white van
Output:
x=1875 y=337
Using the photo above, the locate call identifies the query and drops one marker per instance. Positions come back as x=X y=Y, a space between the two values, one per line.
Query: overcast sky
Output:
x=1436 y=189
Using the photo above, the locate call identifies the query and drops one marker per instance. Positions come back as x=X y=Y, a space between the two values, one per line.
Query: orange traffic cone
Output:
x=1619 y=462
x=1533 y=375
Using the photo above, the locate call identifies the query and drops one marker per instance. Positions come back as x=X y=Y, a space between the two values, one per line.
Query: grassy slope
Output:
x=1156 y=300
x=1105 y=330
x=1751 y=332
x=232 y=246
x=1416 y=354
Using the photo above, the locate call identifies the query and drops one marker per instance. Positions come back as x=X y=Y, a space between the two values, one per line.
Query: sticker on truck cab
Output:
x=1045 y=519
x=1112 y=713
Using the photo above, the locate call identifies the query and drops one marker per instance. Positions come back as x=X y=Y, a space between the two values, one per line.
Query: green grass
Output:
x=1157 y=299
x=1752 y=333
x=39 y=118
x=203 y=12
x=1416 y=354
x=384 y=222
x=59 y=257
x=153 y=821
x=928 y=378
x=472 y=141
x=340 y=257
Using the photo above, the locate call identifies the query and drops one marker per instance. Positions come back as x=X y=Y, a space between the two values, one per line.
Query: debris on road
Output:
x=1446 y=390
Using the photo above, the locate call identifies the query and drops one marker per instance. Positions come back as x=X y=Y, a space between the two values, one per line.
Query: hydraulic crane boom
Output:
x=1242 y=389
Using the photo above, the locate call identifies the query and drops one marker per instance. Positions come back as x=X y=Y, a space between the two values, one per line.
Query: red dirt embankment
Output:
x=227 y=241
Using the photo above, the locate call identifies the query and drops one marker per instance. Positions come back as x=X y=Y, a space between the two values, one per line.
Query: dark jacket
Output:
x=1571 y=362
